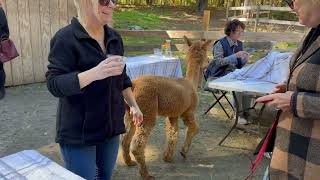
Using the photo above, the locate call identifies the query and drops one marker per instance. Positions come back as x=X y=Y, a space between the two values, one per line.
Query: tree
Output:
x=220 y=3
x=149 y=2
x=201 y=5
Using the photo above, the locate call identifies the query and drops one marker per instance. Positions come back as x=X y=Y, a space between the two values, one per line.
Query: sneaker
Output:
x=242 y=121
x=2 y=93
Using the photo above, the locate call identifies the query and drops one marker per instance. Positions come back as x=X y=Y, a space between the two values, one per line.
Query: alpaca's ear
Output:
x=206 y=44
x=189 y=43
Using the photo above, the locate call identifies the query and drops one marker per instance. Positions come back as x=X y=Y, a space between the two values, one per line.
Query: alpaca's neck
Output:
x=193 y=74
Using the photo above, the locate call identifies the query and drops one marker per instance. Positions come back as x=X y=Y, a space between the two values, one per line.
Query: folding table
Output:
x=250 y=87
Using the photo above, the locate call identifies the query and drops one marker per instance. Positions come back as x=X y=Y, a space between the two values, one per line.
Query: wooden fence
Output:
x=33 y=22
x=258 y=10
x=248 y=37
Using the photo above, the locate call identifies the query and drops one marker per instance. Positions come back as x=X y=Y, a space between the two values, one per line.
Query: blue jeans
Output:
x=91 y=161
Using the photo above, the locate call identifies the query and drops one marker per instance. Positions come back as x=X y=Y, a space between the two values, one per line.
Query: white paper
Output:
x=31 y=165
x=272 y=68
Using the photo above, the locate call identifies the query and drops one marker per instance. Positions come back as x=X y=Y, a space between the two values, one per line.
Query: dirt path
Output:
x=27 y=121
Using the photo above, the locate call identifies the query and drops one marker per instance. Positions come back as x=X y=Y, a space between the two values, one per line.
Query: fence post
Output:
x=206 y=20
x=227 y=11
x=257 y=18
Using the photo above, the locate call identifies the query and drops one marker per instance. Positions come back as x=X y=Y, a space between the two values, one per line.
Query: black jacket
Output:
x=90 y=115
x=4 y=29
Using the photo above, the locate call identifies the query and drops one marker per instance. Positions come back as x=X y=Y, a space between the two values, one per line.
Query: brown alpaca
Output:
x=169 y=97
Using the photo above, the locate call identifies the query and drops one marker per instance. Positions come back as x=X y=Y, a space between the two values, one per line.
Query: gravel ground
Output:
x=27 y=121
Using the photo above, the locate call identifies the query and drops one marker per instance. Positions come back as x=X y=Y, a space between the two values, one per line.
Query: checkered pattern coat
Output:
x=296 y=154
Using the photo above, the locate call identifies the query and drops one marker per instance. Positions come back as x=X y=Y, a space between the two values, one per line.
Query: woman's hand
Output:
x=278 y=100
x=280 y=88
x=137 y=116
x=242 y=54
x=112 y=66
x=135 y=111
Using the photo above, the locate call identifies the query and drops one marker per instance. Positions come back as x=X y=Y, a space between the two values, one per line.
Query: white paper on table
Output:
x=272 y=68
x=31 y=165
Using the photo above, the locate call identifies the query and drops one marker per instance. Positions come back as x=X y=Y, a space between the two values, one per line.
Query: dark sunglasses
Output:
x=290 y=3
x=106 y=2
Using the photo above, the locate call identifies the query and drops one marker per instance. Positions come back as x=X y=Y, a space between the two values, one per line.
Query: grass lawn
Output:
x=157 y=18
x=164 y=18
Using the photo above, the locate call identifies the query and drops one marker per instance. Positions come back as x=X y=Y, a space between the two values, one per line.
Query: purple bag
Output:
x=8 y=50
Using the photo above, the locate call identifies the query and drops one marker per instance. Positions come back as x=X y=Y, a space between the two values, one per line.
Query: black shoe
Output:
x=2 y=93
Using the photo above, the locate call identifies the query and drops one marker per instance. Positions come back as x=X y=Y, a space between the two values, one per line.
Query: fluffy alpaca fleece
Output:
x=168 y=97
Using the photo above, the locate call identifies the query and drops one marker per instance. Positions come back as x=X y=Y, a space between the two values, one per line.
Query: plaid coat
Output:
x=296 y=154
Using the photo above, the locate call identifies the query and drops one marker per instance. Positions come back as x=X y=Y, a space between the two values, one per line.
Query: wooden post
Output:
x=257 y=18
x=206 y=20
x=227 y=11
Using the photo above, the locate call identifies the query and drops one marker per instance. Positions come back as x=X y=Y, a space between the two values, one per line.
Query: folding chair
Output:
x=218 y=95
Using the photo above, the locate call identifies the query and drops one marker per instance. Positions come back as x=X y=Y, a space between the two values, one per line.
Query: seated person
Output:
x=228 y=55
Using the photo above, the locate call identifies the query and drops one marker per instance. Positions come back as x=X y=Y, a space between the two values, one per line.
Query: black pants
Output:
x=2 y=76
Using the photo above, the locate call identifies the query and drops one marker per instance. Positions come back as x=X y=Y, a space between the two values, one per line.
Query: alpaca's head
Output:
x=197 y=52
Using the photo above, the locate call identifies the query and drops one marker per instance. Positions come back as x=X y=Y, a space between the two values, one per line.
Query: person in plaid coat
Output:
x=296 y=154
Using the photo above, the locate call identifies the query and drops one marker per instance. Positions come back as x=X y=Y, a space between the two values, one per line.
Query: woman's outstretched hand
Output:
x=278 y=100
x=137 y=116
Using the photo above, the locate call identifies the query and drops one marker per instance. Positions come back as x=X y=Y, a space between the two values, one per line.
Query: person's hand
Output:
x=278 y=100
x=112 y=66
x=242 y=54
x=280 y=88
x=137 y=116
x=245 y=59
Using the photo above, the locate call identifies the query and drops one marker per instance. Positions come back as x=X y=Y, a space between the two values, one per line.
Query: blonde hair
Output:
x=85 y=8
x=82 y=7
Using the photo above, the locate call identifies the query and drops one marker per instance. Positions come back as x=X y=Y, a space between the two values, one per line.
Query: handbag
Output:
x=8 y=50
x=266 y=145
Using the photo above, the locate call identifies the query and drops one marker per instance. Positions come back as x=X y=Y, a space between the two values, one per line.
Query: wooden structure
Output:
x=214 y=35
x=258 y=10
x=32 y=23
x=206 y=20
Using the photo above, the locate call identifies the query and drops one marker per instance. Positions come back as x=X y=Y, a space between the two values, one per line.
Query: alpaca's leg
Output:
x=192 y=129
x=139 y=143
x=172 y=132
x=126 y=140
x=200 y=82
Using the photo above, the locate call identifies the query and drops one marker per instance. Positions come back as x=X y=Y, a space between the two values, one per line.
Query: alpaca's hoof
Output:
x=184 y=155
x=168 y=159
x=148 y=178
x=131 y=163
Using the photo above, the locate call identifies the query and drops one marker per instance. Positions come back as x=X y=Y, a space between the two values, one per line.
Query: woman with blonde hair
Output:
x=297 y=144
x=91 y=88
